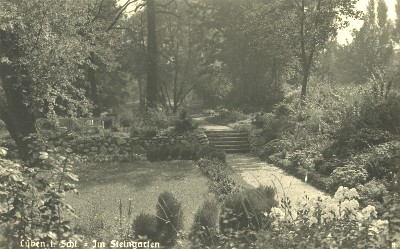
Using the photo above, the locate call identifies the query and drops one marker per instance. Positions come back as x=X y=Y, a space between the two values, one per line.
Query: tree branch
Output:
x=121 y=11
x=98 y=12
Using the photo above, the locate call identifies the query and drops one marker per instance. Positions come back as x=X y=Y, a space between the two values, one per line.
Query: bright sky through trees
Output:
x=356 y=24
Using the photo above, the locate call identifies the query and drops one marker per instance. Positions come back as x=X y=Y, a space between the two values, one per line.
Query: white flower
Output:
x=277 y=213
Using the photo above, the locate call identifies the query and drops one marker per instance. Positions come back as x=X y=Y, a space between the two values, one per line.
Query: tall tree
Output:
x=370 y=53
x=42 y=61
x=152 y=54
x=245 y=49
x=319 y=21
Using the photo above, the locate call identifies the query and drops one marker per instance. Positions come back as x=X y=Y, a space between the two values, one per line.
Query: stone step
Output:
x=237 y=150
x=230 y=141
x=244 y=138
x=225 y=132
x=227 y=135
x=246 y=143
x=231 y=146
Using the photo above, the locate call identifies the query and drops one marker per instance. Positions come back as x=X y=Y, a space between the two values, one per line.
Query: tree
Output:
x=398 y=18
x=370 y=54
x=318 y=22
x=43 y=57
x=152 y=54
x=245 y=49
x=178 y=61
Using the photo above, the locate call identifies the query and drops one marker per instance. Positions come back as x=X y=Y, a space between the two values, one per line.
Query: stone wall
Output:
x=109 y=144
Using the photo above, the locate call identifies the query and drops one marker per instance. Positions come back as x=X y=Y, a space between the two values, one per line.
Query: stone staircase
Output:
x=230 y=141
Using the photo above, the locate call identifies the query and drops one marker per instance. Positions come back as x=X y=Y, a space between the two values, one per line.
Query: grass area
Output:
x=102 y=185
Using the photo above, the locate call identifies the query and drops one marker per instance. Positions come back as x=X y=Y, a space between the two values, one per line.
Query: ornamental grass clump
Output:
x=246 y=210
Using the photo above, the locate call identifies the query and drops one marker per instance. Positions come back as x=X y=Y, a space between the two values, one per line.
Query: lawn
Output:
x=103 y=185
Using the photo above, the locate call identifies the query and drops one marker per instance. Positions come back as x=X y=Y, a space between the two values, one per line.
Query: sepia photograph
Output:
x=200 y=124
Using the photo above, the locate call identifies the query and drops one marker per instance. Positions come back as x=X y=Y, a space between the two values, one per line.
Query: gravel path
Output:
x=256 y=172
x=203 y=124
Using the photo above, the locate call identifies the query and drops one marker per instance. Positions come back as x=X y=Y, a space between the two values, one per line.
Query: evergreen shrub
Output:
x=145 y=227
x=169 y=218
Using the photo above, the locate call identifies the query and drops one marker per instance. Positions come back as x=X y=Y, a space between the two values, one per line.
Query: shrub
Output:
x=148 y=132
x=50 y=123
x=163 y=152
x=273 y=147
x=204 y=229
x=246 y=209
x=145 y=226
x=261 y=119
x=372 y=193
x=189 y=152
x=211 y=152
x=157 y=117
x=175 y=151
x=383 y=161
x=348 y=176
x=44 y=215
x=152 y=154
x=326 y=167
x=224 y=116
x=183 y=123
x=169 y=218
x=320 y=182
x=220 y=184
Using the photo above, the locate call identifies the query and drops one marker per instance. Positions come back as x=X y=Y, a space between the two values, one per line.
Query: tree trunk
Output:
x=142 y=101
x=152 y=51
x=93 y=87
x=15 y=112
x=306 y=73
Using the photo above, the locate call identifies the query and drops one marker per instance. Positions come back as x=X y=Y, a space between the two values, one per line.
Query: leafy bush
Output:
x=183 y=123
x=44 y=215
x=220 y=184
x=349 y=175
x=50 y=123
x=146 y=132
x=274 y=147
x=372 y=193
x=205 y=225
x=189 y=152
x=169 y=218
x=211 y=152
x=383 y=161
x=175 y=151
x=157 y=117
x=163 y=152
x=224 y=116
x=246 y=209
x=152 y=154
x=145 y=227
x=326 y=167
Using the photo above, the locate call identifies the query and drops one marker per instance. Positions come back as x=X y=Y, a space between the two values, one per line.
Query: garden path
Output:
x=203 y=124
x=256 y=172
